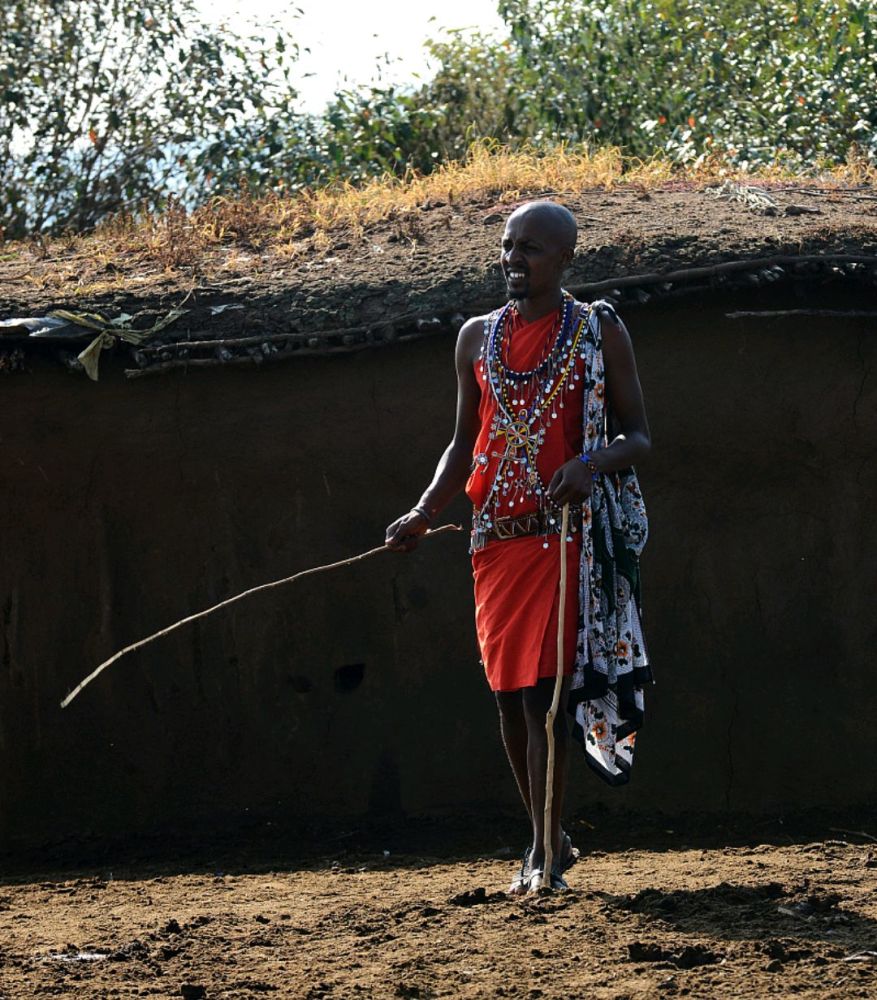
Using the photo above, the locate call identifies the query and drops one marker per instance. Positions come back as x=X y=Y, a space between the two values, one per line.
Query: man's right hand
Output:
x=403 y=533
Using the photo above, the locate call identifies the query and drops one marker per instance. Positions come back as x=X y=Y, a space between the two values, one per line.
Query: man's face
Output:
x=534 y=256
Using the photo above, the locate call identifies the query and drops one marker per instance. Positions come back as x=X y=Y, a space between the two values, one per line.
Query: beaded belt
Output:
x=536 y=523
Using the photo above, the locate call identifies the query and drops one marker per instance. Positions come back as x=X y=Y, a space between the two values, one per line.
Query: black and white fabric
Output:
x=612 y=666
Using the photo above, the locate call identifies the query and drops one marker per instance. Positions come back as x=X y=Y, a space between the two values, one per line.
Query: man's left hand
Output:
x=572 y=483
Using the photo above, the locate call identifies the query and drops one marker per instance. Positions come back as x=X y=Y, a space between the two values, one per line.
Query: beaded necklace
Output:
x=527 y=404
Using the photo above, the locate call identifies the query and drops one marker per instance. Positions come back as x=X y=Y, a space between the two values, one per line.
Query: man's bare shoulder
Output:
x=610 y=322
x=470 y=338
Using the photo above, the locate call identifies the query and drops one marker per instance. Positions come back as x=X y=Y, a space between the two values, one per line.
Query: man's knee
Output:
x=536 y=702
x=509 y=705
x=538 y=697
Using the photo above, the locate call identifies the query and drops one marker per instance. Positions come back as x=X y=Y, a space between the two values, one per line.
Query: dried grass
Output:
x=177 y=238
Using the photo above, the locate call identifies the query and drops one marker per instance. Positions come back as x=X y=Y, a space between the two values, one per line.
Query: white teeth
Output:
x=516 y=274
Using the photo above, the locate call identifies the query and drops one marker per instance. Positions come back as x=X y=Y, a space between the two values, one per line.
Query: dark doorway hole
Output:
x=349 y=677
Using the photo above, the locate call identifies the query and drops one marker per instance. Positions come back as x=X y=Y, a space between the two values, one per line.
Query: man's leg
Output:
x=536 y=702
x=513 y=727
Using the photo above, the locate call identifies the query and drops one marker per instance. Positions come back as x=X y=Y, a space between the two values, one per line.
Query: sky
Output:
x=347 y=39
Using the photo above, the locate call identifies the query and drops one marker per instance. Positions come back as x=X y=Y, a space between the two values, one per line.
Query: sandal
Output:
x=522 y=879
x=536 y=880
x=569 y=855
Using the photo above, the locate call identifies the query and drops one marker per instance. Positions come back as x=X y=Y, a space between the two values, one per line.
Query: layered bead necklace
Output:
x=527 y=404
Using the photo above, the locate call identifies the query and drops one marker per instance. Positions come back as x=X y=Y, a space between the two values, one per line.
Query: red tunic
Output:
x=517 y=581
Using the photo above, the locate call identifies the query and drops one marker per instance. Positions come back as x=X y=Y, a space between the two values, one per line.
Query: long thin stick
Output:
x=555 y=703
x=158 y=367
x=230 y=600
x=767 y=313
x=295 y=335
x=726 y=267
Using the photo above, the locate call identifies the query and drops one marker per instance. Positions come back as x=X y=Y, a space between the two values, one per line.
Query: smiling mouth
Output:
x=513 y=277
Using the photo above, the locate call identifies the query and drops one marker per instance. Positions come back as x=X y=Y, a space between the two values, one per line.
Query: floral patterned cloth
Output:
x=611 y=667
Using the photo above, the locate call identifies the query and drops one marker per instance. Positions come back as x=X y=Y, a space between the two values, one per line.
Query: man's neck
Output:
x=532 y=308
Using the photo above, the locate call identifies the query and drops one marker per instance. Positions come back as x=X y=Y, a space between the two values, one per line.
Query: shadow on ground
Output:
x=256 y=846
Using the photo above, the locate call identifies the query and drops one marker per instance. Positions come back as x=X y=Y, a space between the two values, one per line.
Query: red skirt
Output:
x=517 y=584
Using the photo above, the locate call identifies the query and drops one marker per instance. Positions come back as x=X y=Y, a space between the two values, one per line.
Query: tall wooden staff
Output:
x=555 y=702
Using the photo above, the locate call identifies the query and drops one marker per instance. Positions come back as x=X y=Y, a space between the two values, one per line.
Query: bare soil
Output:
x=763 y=920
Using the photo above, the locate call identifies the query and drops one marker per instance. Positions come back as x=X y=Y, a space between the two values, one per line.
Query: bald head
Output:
x=554 y=220
x=537 y=246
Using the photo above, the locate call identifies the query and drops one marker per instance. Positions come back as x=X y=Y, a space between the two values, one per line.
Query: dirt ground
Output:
x=761 y=920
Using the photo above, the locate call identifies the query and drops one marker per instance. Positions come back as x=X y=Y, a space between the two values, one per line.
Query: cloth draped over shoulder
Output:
x=611 y=665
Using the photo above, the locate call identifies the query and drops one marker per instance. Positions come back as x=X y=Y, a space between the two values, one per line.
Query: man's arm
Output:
x=631 y=439
x=455 y=463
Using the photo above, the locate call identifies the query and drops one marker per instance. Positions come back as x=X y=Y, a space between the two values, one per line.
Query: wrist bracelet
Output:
x=587 y=460
x=423 y=513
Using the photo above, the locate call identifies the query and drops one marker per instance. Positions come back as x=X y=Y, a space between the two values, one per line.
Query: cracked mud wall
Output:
x=127 y=505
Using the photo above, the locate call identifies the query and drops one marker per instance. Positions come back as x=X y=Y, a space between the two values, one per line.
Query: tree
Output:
x=112 y=104
x=758 y=80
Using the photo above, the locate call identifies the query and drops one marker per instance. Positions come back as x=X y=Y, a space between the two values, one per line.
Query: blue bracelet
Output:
x=587 y=460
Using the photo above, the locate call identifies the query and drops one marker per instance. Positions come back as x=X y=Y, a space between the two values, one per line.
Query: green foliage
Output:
x=392 y=129
x=367 y=132
x=757 y=81
x=106 y=104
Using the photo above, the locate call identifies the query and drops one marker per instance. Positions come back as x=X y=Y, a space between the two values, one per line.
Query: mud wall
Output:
x=124 y=505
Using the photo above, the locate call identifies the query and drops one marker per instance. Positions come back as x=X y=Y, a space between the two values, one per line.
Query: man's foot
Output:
x=564 y=858
x=568 y=854
x=522 y=878
x=538 y=881
x=531 y=877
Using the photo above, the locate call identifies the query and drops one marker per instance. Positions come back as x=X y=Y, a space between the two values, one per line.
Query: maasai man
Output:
x=549 y=412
